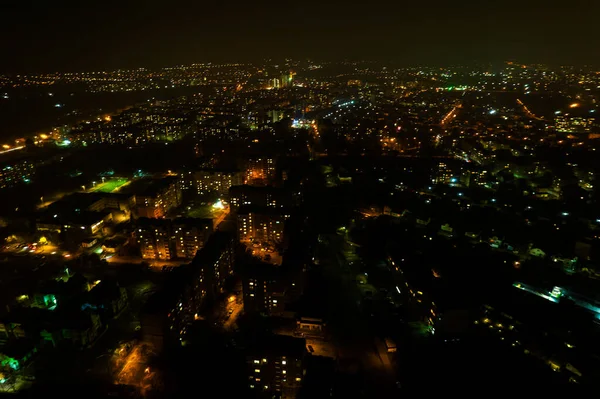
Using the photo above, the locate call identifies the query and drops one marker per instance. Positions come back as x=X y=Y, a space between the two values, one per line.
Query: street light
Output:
x=83 y=188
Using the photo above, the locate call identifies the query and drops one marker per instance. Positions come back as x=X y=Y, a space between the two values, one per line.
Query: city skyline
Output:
x=57 y=37
x=298 y=200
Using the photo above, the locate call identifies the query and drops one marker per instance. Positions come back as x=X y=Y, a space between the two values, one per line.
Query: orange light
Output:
x=6 y=146
x=574 y=105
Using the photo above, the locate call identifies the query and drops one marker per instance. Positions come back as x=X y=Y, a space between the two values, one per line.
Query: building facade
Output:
x=261 y=224
x=276 y=364
x=209 y=181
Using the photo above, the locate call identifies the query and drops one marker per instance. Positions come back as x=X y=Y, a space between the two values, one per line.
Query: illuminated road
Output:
x=450 y=115
x=528 y=112
x=134 y=370
x=321 y=348
x=6 y=151
x=217 y=221
x=233 y=310
x=136 y=260
x=558 y=293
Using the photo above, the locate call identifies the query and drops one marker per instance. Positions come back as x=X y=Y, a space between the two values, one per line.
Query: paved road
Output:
x=351 y=330
x=233 y=310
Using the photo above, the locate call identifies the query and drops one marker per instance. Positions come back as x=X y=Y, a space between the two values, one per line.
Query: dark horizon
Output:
x=48 y=37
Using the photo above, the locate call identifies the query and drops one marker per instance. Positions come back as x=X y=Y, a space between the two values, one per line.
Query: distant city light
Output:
x=493 y=111
x=218 y=205
x=574 y=105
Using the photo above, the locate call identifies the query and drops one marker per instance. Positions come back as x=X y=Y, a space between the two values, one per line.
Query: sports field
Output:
x=202 y=212
x=110 y=185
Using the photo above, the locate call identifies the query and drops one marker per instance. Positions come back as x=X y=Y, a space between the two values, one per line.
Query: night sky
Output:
x=58 y=36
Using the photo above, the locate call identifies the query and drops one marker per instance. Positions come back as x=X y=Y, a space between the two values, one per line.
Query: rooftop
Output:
x=84 y=218
x=278 y=345
x=213 y=248
x=148 y=186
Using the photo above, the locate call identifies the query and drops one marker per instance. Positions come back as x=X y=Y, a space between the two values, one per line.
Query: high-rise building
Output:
x=443 y=173
x=215 y=262
x=261 y=224
x=153 y=237
x=168 y=313
x=264 y=288
x=161 y=239
x=154 y=198
x=190 y=236
x=209 y=181
x=268 y=288
x=287 y=80
x=260 y=170
x=265 y=196
x=276 y=364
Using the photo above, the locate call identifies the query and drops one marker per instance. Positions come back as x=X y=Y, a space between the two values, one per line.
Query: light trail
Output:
x=12 y=149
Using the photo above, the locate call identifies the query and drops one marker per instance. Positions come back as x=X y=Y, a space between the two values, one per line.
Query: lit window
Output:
x=257 y=370
x=298 y=379
x=283 y=362
x=256 y=361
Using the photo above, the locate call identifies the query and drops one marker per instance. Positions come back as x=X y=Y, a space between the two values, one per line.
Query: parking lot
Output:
x=318 y=347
